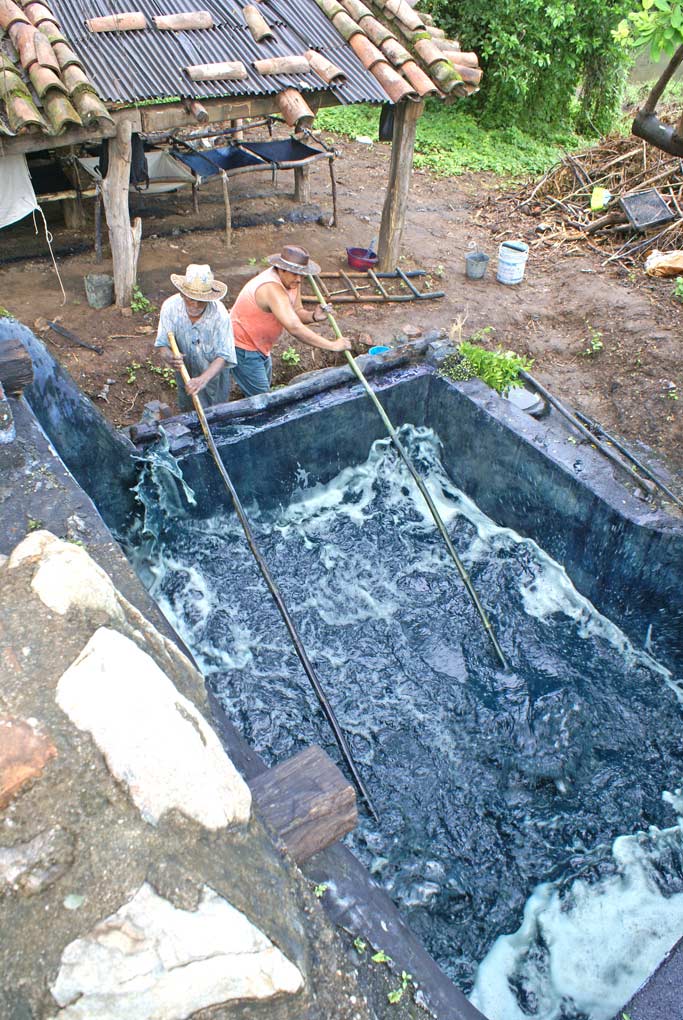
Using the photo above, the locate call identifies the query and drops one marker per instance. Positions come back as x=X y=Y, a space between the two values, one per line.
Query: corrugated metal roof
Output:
x=139 y=65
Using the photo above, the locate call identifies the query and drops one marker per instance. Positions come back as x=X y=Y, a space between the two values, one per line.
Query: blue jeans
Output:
x=253 y=371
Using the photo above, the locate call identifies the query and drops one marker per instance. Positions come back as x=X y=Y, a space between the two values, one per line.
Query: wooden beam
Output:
x=406 y=115
x=34 y=142
x=307 y=802
x=173 y=116
x=124 y=240
x=16 y=367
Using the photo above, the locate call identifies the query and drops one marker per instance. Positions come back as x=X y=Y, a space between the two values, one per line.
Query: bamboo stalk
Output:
x=416 y=478
x=274 y=590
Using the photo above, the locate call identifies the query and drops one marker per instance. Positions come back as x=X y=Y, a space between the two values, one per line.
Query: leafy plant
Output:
x=658 y=24
x=319 y=890
x=139 y=303
x=291 y=356
x=678 y=288
x=165 y=371
x=595 y=344
x=5 y=314
x=33 y=524
x=397 y=994
x=131 y=372
x=450 y=140
x=380 y=957
x=359 y=944
x=537 y=55
x=499 y=369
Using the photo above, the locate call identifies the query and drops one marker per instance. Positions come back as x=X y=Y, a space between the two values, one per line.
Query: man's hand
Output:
x=341 y=344
x=176 y=360
x=194 y=386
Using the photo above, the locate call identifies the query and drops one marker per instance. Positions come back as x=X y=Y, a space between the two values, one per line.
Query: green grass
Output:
x=449 y=141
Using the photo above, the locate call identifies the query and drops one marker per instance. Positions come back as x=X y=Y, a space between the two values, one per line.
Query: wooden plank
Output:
x=406 y=115
x=16 y=367
x=76 y=136
x=307 y=802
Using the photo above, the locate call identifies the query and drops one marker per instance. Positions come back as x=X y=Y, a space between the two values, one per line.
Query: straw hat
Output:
x=199 y=284
x=295 y=260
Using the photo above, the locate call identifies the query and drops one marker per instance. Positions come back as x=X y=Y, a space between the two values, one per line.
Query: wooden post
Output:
x=228 y=210
x=302 y=185
x=237 y=129
x=124 y=240
x=406 y=116
x=74 y=213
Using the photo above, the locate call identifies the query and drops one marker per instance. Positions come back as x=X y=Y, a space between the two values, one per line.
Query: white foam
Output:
x=588 y=945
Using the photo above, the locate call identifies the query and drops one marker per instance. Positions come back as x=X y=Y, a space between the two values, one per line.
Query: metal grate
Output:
x=646 y=209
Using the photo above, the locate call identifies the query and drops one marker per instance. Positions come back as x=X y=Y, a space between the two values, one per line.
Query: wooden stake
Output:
x=406 y=115
x=228 y=210
x=124 y=240
x=302 y=185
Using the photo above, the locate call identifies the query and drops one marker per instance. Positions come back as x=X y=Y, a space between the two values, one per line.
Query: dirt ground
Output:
x=604 y=339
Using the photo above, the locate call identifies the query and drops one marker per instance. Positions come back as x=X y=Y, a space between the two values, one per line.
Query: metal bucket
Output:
x=512 y=256
x=475 y=265
x=99 y=290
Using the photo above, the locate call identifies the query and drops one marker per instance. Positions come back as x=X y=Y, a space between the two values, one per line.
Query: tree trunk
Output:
x=16 y=367
x=124 y=240
x=396 y=200
x=74 y=214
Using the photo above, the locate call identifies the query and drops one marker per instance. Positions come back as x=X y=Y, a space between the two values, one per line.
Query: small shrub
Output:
x=139 y=303
x=499 y=369
x=291 y=356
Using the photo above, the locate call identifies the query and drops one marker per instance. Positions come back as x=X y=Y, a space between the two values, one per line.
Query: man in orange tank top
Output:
x=268 y=306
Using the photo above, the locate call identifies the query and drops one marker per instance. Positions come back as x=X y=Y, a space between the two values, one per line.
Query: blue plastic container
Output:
x=379 y=349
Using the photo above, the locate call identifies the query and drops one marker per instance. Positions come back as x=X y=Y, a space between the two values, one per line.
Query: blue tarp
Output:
x=231 y=157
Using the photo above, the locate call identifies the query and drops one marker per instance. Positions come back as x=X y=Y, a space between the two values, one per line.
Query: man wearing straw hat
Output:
x=266 y=307
x=201 y=325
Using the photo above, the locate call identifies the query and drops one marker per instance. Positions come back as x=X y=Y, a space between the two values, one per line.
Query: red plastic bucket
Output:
x=361 y=258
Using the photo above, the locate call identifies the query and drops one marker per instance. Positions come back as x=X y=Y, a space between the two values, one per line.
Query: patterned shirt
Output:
x=200 y=343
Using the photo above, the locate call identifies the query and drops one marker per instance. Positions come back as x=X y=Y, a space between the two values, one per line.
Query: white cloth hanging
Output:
x=17 y=197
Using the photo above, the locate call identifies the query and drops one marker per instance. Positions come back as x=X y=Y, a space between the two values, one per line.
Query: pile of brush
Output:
x=622 y=166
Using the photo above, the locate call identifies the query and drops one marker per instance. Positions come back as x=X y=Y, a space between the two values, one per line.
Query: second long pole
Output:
x=416 y=478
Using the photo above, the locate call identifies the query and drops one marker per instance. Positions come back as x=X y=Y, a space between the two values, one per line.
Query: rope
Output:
x=49 y=238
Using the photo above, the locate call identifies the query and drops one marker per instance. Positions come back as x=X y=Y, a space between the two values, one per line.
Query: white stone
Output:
x=66 y=577
x=152 y=961
x=153 y=739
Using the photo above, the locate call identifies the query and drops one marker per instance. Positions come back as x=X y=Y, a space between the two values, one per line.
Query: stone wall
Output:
x=135 y=880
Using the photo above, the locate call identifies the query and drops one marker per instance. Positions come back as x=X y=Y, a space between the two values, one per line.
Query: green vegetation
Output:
x=397 y=994
x=450 y=140
x=537 y=55
x=359 y=944
x=291 y=356
x=499 y=369
x=132 y=372
x=319 y=890
x=594 y=341
x=657 y=24
x=165 y=371
x=33 y=524
x=139 y=303
x=4 y=314
x=380 y=957
x=678 y=288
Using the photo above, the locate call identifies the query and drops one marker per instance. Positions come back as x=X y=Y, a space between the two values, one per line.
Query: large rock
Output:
x=135 y=881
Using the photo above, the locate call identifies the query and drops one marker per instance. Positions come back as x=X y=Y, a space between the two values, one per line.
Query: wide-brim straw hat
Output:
x=199 y=284
x=295 y=260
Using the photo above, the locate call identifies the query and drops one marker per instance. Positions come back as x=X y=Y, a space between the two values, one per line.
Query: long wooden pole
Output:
x=275 y=592
x=418 y=481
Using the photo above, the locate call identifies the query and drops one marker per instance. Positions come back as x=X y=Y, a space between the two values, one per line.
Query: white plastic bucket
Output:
x=512 y=256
